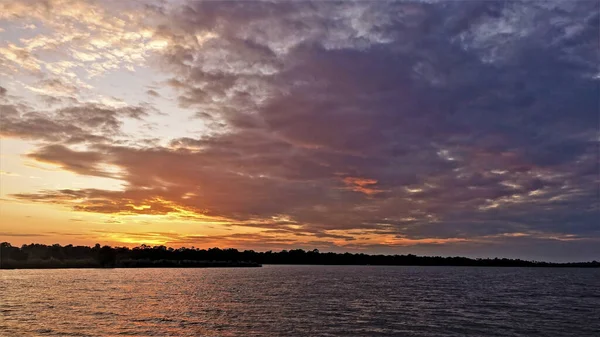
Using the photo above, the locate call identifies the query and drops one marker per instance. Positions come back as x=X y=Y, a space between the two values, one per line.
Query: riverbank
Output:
x=69 y=256
x=79 y=264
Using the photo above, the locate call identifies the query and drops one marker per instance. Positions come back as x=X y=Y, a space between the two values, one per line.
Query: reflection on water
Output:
x=301 y=301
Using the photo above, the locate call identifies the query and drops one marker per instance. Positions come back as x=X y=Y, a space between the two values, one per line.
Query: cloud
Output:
x=152 y=93
x=10 y=174
x=87 y=122
x=81 y=162
x=361 y=185
x=388 y=123
x=10 y=234
x=55 y=87
x=96 y=38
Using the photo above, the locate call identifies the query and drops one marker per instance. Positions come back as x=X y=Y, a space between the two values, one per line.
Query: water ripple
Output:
x=301 y=301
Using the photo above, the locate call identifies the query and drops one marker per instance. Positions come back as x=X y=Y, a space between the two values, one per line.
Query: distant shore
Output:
x=69 y=265
x=38 y=256
x=129 y=264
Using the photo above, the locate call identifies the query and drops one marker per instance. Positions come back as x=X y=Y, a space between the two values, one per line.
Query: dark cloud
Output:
x=56 y=86
x=80 y=123
x=81 y=162
x=56 y=100
x=153 y=93
x=471 y=120
x=20 y=234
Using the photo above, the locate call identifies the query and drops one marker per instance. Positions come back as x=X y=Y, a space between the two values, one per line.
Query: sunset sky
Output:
x=425 y=127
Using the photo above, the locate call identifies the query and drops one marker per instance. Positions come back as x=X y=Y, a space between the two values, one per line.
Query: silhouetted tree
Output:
x=107 y=256
x=57 y=256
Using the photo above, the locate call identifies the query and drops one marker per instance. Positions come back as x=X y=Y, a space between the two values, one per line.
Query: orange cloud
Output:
x=362 y=185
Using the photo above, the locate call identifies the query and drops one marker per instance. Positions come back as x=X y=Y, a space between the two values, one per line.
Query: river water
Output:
x=301 y=301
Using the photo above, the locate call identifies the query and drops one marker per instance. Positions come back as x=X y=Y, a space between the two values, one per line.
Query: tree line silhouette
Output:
x=69 y=256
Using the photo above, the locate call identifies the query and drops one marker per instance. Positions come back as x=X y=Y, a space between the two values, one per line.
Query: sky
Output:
x=427 y=127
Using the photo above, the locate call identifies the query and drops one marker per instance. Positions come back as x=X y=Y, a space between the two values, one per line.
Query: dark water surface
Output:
x=301 y=301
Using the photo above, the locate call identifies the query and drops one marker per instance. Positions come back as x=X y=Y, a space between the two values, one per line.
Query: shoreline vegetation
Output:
x=40 y=256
